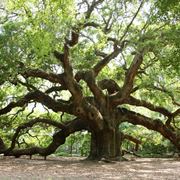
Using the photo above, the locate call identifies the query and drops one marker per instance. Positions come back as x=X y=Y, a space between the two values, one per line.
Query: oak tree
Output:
x=96 y=61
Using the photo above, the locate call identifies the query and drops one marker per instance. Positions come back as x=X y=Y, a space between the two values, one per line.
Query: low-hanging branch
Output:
x=113 y=87
x=58 y=139
x=133 y=139
x=30 y=124
x=40 y=97
x=149 y=123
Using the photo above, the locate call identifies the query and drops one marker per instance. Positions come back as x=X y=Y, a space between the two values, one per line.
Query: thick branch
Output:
x=58 y=139
x=74 y=38
x=156 y=125
x=100 y=65
x=69 y=80
x=176 y=113
x=55 y=89
x=89 y=78
x=90 y=24
x=131 y=138
x=110 y=85
x=32 y=123
x=131 y=73
x=12 y=105
x=54 y=78
x=133 y=101
x=129 y=80
x=40 y=97
x=94 y=114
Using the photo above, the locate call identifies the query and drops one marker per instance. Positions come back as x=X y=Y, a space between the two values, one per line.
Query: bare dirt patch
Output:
x=70 y=168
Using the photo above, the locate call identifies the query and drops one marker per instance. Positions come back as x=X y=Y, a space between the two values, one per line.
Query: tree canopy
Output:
x=98 y=63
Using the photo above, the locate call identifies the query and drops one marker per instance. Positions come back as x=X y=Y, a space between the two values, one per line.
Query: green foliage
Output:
x=168 y=9
x=38 y=29
x=77 y=144
x=152 y=143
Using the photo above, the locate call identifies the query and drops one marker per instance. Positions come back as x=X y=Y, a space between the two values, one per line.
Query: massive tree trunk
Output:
x=105 y=144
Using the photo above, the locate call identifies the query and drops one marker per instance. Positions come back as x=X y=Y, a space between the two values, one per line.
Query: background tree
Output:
x=99 y=62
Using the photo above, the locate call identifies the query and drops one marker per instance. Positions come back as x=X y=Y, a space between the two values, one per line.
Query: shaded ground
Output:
x=66 y=168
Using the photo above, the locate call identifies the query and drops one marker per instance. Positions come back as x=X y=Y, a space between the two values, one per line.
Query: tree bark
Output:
x=2 y=146
x=105 y=144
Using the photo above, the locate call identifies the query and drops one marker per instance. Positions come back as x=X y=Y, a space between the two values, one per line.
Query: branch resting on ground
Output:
x=58 y=138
